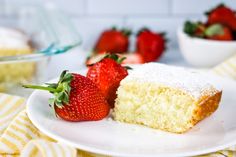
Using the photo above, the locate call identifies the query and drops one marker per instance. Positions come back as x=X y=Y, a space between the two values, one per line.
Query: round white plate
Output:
x=119 y=139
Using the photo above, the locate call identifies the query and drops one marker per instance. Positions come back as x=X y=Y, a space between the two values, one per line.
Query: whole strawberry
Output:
x=76 y=98
x=150 y=45
x=107 y=74
x=113 y=41
x=222 y=15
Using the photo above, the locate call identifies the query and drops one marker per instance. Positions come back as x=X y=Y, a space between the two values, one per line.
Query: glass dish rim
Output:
x=36 y=53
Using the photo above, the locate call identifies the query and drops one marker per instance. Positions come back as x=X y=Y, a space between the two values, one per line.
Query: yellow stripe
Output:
x=229 y=72
x=8 y=119
x=233 y=66
x=32 y=129
x=24 y=117
x=62 y=150
x=5 y=102
x=42 y=150
x=13 y=135
x=52 y=149
x=45 y=137
x=4 y=127
x=72 y=150
x=11 y=155
x=33 y=152
x=26 y=134
x=9 y=144
x=218 y=71
x=85 y=154
x=230 y=153
x=226 y=71
x=12 y=108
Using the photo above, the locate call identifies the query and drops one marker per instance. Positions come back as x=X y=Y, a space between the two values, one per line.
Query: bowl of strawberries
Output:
x=206 y=44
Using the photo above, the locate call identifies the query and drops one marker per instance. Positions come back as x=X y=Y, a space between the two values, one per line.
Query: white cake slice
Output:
x=165 y=97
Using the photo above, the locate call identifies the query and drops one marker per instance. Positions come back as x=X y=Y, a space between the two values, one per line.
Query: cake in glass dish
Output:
x=163 y=97
x=14 y=42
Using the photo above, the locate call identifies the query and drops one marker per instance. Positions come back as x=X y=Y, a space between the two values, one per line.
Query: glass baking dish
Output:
x=43 y=27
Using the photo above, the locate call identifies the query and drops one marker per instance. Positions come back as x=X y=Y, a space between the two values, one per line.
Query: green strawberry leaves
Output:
x=190 y=27
x=60 y=90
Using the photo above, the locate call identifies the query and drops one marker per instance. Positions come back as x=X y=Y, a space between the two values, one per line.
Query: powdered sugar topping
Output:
x=11 y=38
x=192 y=82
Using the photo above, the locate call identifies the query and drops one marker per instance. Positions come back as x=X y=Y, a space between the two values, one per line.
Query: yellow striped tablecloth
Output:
x=20 y=138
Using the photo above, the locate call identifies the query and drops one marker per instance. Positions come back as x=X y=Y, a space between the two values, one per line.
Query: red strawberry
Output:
x=76 y=98
x=130 y=58
x=150 y=45
x=107 y=74
x=113 y=41
x=218 y=32
x=223 y=15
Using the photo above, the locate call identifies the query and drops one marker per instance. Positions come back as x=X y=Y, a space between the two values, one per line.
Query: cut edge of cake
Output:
x=144 y=101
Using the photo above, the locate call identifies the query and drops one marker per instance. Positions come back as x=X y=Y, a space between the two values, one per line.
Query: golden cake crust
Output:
x=206 y=106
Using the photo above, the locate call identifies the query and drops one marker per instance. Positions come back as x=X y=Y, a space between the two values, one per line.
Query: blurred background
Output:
x=91 y=17
x=85 y=20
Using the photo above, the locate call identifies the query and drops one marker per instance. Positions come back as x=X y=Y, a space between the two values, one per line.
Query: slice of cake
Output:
x=165 y=97
x=14 y=42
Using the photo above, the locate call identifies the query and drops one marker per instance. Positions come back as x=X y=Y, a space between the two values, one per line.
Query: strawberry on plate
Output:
x=150 y=45
x=107 y=74
x=222 y=15
x=113 y=41
x=76 y=98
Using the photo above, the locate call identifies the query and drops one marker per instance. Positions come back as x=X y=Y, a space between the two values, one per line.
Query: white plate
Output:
x=120 y=139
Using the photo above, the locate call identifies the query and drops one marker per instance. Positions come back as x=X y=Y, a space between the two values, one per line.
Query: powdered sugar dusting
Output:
x=190 y=81
x=11 y=38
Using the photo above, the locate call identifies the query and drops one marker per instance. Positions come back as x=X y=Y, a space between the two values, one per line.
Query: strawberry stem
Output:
x=53 y=90
x=127 y=32
x=61 y=89
x=190 y=27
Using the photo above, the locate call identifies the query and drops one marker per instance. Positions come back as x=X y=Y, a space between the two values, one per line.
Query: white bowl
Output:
x=203 y=52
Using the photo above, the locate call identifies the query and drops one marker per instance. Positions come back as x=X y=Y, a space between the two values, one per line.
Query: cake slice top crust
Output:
x=194 y=83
